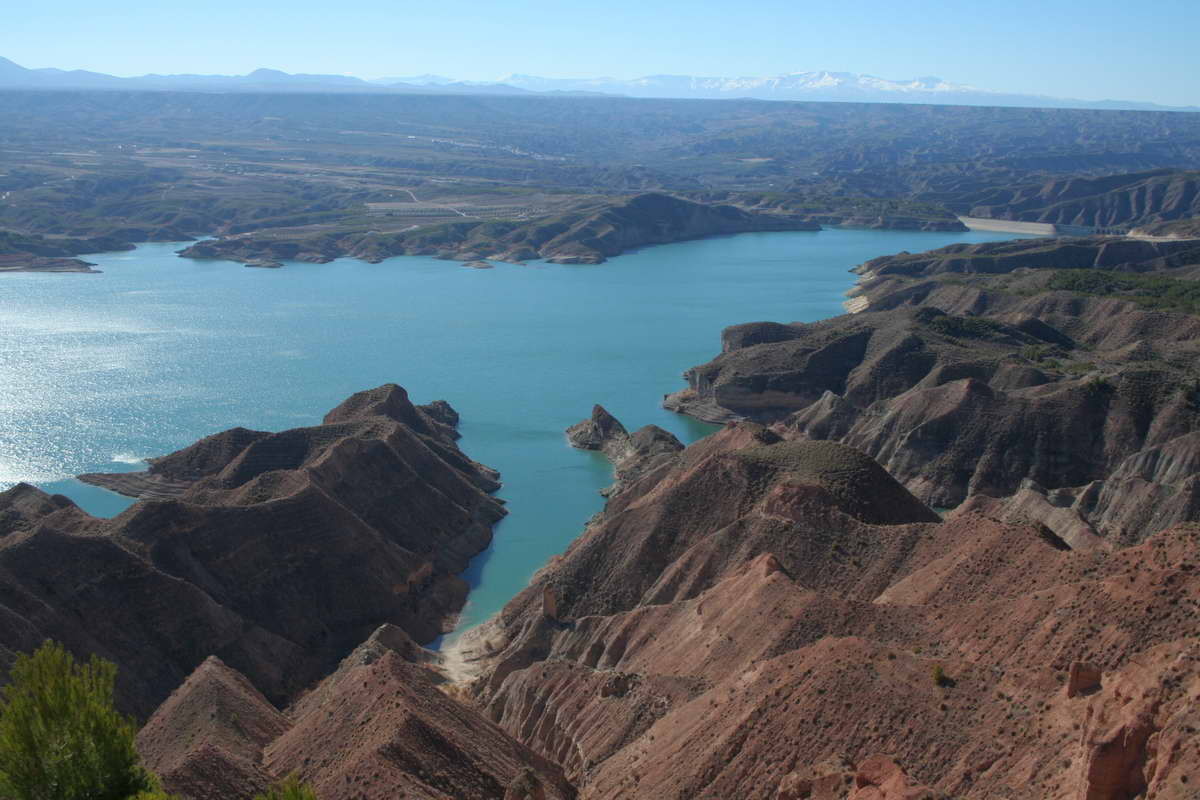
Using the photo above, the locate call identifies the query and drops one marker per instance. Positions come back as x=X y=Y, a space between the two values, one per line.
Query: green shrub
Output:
x=290 y=788
x=940 y=678
x=61 y=738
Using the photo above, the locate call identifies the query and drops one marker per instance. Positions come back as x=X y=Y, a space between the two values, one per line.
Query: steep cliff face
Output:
x=1115 y=200
x=761 y=605
x=377 y=728
x=275 y=552
x=589 y=235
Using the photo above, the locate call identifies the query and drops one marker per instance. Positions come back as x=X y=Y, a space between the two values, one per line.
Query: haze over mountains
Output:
x=797 y=86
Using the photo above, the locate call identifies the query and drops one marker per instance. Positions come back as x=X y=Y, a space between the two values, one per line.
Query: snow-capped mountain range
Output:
x=796 y=86
x=778 y=87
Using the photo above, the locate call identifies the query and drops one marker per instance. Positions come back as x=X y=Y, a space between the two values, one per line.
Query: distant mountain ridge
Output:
x=14 y=76
x=797 y=86
x=817 y=85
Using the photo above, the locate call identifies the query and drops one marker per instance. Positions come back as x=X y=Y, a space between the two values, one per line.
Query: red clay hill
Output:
x=764 y=616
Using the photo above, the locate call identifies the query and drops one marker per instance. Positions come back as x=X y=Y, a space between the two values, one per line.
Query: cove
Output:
x=100 y=371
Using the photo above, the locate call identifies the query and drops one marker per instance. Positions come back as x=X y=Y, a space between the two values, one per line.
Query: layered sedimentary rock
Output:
x=762 y=605
x=276 y=552
x=589 y=235
x=965 y=383
x=379 y=727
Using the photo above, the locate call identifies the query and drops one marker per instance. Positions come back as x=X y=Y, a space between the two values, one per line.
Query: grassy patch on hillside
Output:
x=1152 y=291
x=958 y=327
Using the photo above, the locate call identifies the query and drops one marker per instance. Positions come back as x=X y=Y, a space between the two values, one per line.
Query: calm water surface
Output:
x=100 y=371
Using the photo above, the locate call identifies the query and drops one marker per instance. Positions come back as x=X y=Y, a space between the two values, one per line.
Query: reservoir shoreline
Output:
x=158 y=352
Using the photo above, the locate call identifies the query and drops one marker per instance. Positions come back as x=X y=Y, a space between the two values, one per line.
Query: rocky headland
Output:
x=630 y=454
x=276 y=552
x=588 y=235
x=766 y=616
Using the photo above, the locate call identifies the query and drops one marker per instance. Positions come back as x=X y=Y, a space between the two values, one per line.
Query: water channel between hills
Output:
x=100 y=371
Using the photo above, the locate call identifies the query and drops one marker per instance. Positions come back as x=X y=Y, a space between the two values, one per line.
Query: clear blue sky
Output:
x=1090 y=50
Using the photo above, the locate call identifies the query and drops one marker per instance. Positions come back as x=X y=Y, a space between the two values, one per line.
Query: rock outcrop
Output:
x=878 y=777
x=276 y=552
x=631 y=455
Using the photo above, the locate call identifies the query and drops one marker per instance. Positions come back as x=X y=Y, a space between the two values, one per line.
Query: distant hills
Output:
x=14 y=76
x=797 y=86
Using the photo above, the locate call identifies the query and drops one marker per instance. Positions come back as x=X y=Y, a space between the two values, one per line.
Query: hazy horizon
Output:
x=1035 y=48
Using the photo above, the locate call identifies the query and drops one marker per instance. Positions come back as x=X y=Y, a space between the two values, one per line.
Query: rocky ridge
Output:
x=970 y=377
x=631 y=455
x=276 y=552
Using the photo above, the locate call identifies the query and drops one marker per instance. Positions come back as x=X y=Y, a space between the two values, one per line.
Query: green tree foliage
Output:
x=61 y=738
x=290 y=788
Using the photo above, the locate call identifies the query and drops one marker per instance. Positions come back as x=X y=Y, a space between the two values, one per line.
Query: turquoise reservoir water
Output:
x=100 y=371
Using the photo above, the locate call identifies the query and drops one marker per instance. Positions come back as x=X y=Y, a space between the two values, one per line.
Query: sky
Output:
x=1102 y=49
